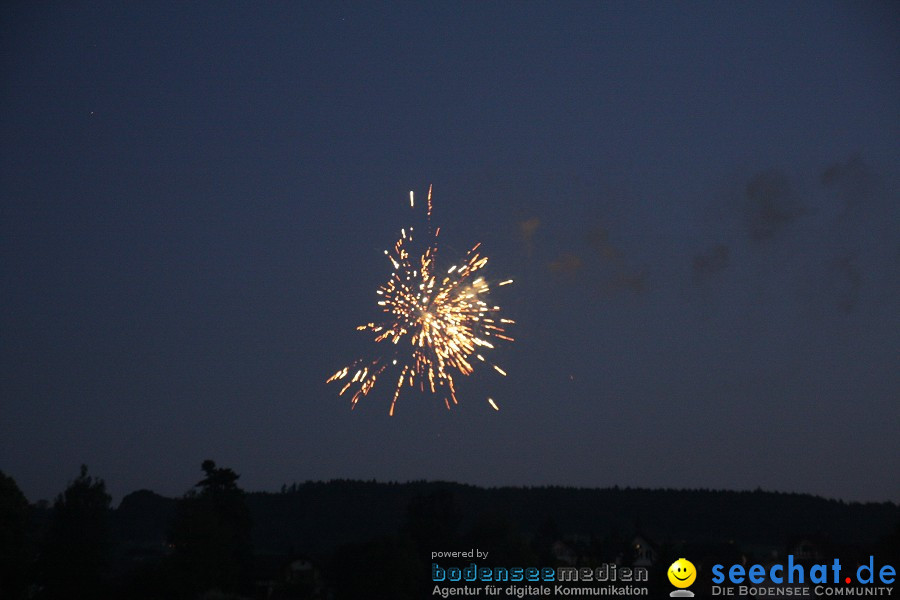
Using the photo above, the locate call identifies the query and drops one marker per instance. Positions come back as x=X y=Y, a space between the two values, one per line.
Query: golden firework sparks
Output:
x=434 y=322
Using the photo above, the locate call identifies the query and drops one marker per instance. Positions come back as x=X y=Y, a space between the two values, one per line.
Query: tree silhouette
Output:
x=13 y=551
x=385 y=568
x=211 y=535
x=493 y=531
x=75 y=552
x=547 y=533
x=432 y=520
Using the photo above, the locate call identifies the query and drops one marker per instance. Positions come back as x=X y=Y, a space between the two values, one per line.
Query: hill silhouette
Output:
x=316 y=517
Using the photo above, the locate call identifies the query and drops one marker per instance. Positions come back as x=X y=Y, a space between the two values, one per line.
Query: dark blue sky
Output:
x=698 y=202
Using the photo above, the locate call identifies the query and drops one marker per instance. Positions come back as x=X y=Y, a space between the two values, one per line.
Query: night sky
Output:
x=698 y=203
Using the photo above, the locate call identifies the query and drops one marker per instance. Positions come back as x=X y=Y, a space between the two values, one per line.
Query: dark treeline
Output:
x=352 y=539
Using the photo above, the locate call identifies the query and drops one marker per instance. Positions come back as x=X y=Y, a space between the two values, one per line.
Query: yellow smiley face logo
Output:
x=682 y=573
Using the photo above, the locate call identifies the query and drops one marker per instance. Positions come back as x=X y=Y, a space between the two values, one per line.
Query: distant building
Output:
x=283 y=578
x=644 y=552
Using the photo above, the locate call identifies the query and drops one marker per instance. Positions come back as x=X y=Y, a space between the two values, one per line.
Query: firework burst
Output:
x=437 y=324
